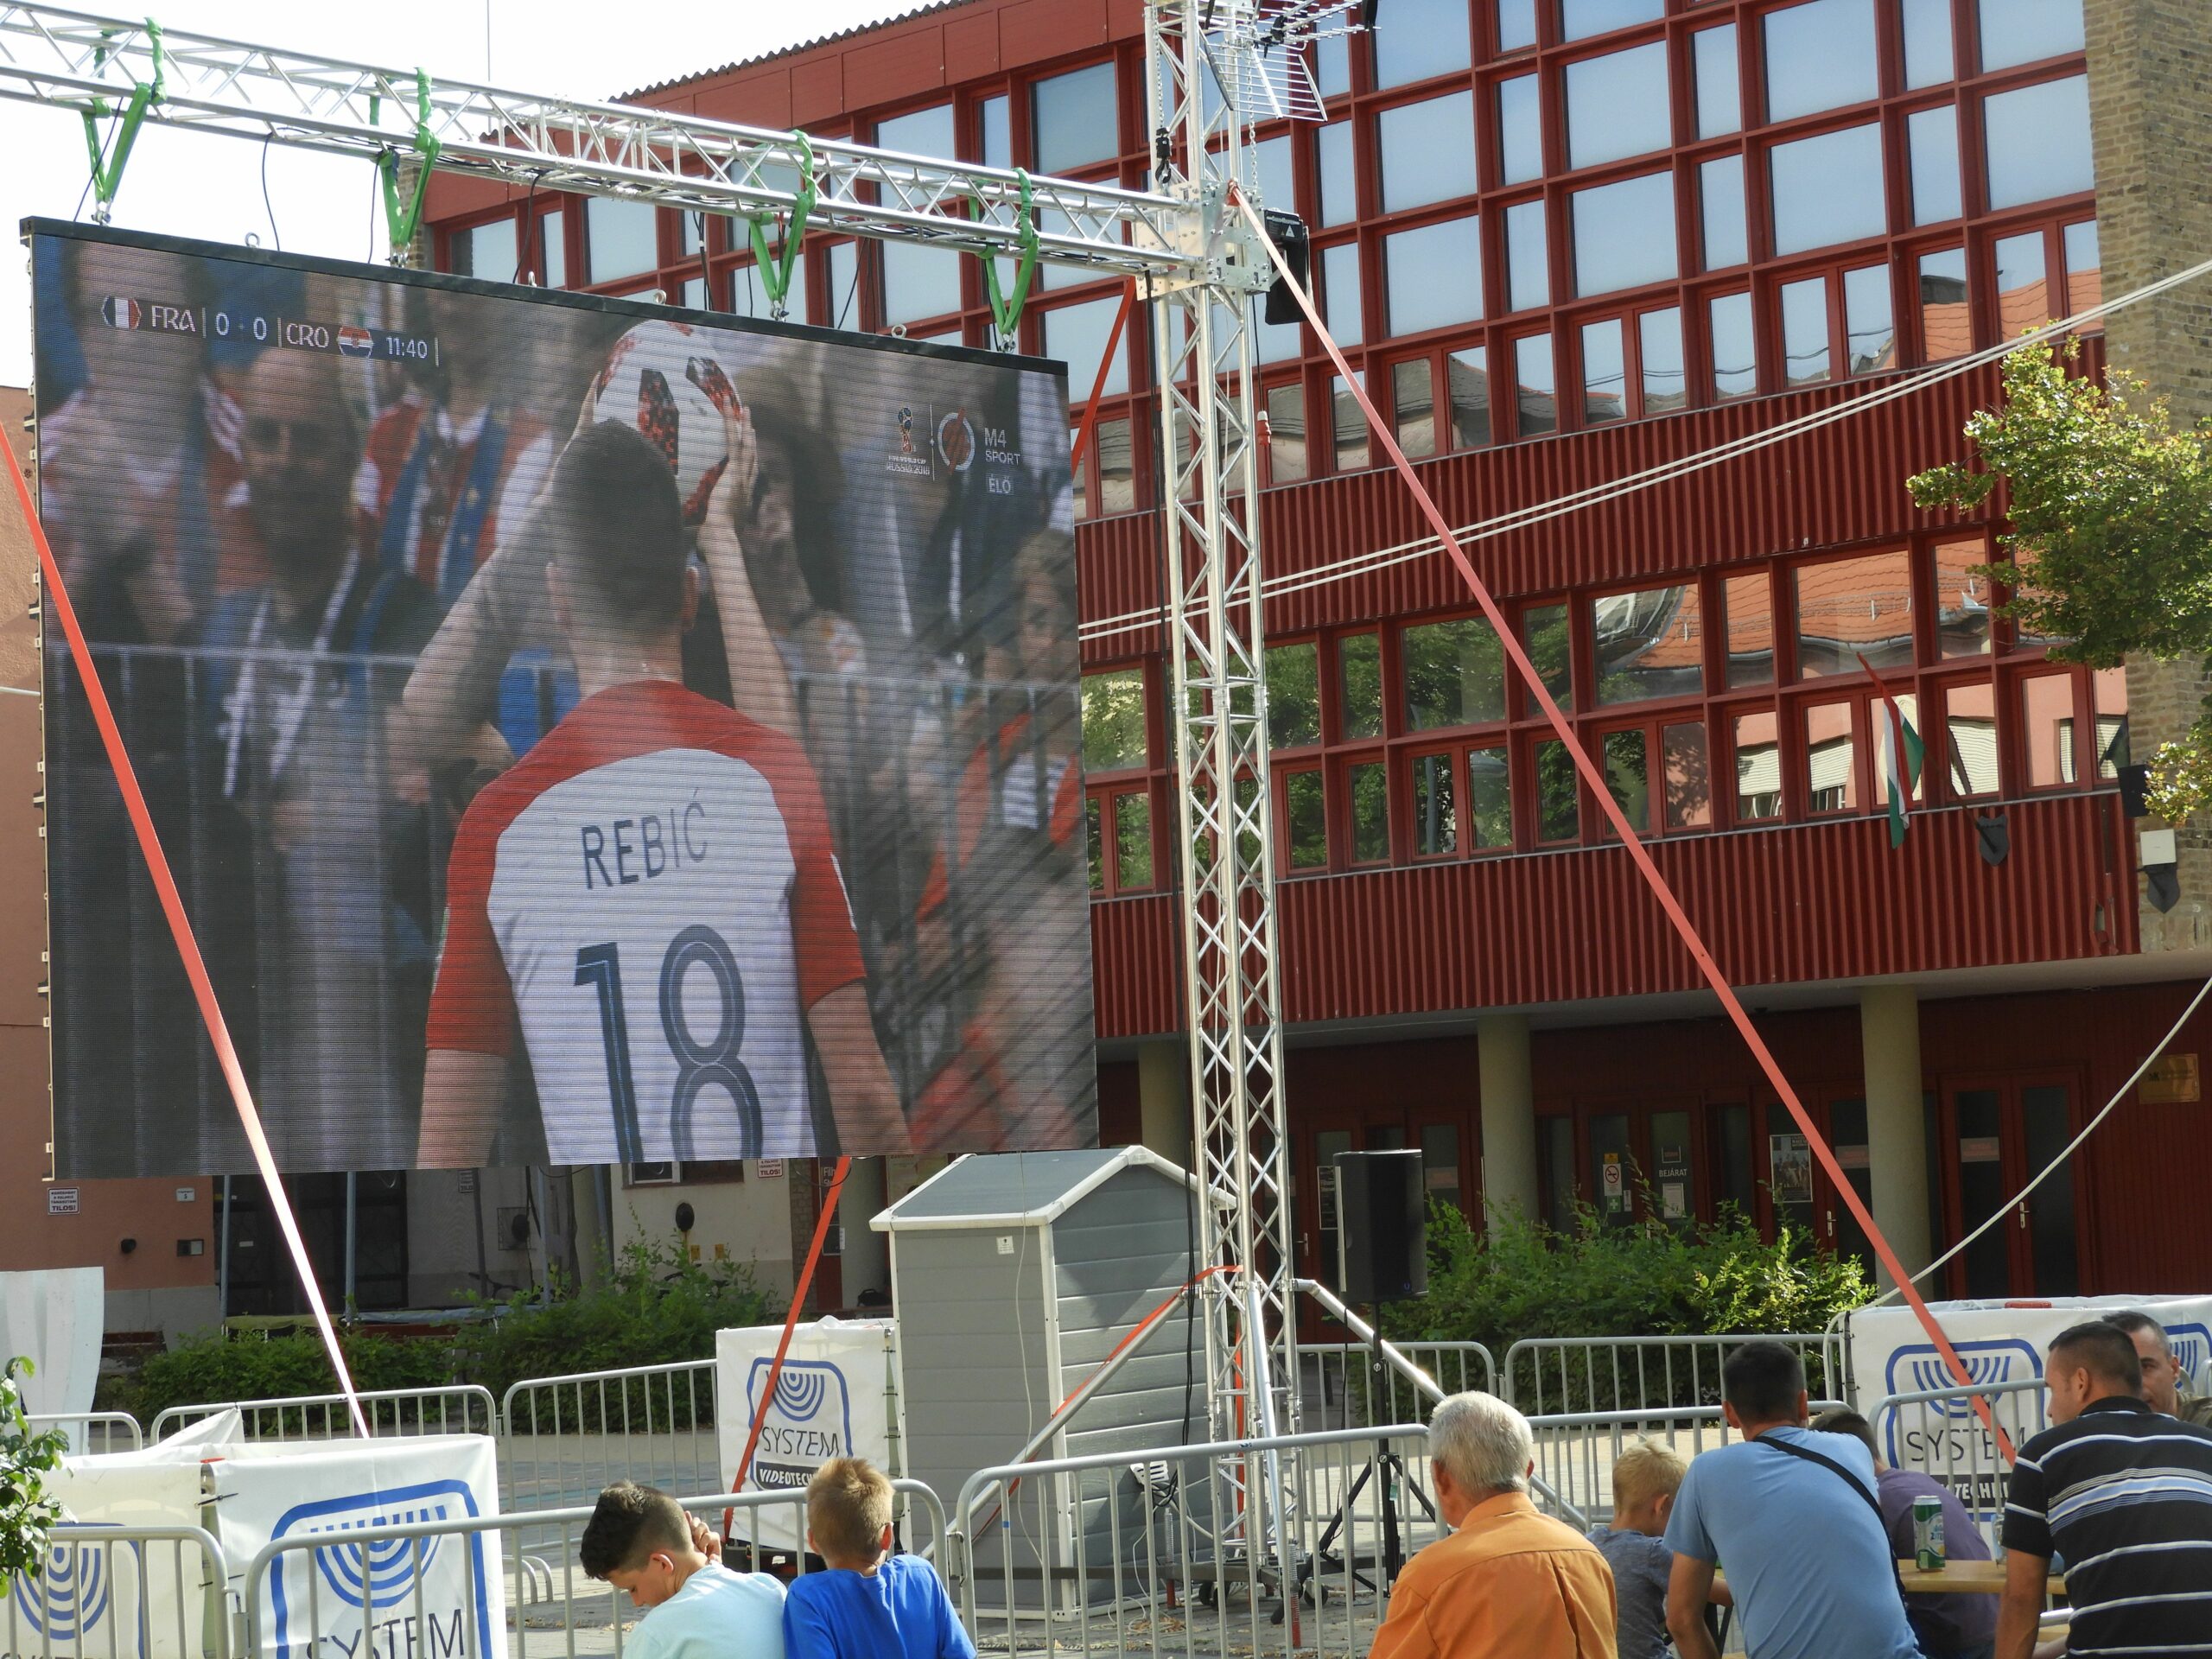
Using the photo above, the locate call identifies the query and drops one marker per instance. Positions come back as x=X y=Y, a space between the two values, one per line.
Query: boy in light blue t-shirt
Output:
x=869 y=1603
x=640 y=1540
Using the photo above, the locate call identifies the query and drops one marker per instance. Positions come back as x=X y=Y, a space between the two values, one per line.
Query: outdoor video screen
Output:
x=582 y=732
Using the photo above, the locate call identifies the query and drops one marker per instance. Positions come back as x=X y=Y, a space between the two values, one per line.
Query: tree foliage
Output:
x=26 y=1511
x=2111 y=543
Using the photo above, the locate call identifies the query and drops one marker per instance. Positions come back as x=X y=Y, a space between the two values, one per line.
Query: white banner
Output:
x=133 y=1600
x=1999 y=1343
x=54 y=1317
x=404 y=1598
x=834 y=1399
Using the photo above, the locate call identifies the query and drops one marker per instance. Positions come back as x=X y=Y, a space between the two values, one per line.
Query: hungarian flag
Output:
x=1901 y=756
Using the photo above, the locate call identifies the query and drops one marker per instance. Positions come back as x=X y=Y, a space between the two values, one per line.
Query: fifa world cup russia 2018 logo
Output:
x=905 y=431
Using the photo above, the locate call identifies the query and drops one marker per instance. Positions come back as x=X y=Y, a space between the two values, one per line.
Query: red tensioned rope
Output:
x=791 y=1323
x=1083 y=450
x=196 y=970
x=1630 y=839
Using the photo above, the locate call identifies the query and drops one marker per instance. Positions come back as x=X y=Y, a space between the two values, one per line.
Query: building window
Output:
x=1516 y=24
x=1820 y=56
x=922 y=133
x=1274 y=172
x=1113 y=721
x=1827 y=189
x=1759 y=767
x=1580 y=19
x=1869 y=322
x=2108 y=689
x=1294 y=695
x=1689 y=780
x=1528 y=257
x=1932 y=137
x=1961 y=571
x=1927 y=42
x=1878 y=714
x=1720 y=202
x=1132 y=841
x=1605 y=373
x=1340 y=292
x=1750 y=603
x=1490 y=800
x=1536 y=385
x=622 y=238
x=1624 y=234
x=1559 y=805
x=1432 y=275
x=1627 y=778
x=1719 y=100
x=2023 y=284
x=1520 y=131
x=486 y=251
x=1094 y=813
x=2047 y=729
x=1076 y=335
x=1359 y=681
x=1805 y=331
x=1735 y=347
x=1417 y=40
x=1470 y=385
x=1946 y=329
x=1073 y=119
x=1546 y=636
x=1428 y=151
x=1847 y=608
x=1306 y=821
x=1286 y=433
x=2037 y=141
x=1616 y=105
x=994 y=126
x=1114 y=462
x=1332 y=65
x=922 y=282
x=1352 y=427
x=748 y=296
x=1659 y=351
x=1831 y=757
x=1370 y=794
x=1454 y=674
x=2084 y=277
x=2028 y=31
x=1413 y=408
x=1435 y=804
x=1648 y=643
x=1340 y=177
x=1970 y=739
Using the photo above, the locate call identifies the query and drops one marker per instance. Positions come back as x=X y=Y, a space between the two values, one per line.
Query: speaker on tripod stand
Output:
x=1382 y=1257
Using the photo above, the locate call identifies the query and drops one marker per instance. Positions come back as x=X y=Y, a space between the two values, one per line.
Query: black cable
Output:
x=268 y=138
x=851 y=288
x=705 y=270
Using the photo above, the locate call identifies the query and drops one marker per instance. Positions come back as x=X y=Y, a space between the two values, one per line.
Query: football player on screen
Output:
x=649 y=895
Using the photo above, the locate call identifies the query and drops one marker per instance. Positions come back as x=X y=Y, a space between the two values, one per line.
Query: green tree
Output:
x=26 y=1512
x=2111 y=543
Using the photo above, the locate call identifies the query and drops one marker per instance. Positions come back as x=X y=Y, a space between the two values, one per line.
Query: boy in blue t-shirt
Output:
x=870 y=1604
x=640 y=1540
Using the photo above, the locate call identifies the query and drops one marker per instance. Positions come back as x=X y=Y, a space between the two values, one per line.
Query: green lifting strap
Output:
x=775 y=269
x=402 y=221
x=1006 y=312
x=108 y=161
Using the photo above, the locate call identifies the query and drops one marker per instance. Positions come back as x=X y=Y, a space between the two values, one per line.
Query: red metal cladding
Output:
x=1833 y=486
x=1808 y=902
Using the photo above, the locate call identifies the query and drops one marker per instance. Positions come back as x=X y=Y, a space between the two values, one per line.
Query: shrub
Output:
x=655 y=1307
x=255 y=1365
x=27 y=1514
x=1642 y=1278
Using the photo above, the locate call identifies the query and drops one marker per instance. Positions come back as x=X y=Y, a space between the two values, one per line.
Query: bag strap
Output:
x=1851 y=1480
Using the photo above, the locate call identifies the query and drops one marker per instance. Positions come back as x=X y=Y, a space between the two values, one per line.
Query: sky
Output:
x=186 y=184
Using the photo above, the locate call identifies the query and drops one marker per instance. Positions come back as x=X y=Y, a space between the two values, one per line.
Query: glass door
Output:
x=1999 y=1132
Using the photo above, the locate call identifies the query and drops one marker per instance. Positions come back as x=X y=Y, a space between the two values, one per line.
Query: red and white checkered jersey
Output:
x=652 y=892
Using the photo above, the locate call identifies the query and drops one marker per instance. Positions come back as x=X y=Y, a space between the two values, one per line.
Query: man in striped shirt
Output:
x=2123 y=1495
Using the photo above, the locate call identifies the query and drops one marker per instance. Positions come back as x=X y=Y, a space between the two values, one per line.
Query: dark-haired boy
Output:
x=650 y=894
x=868 y=1604
x=640 y=1541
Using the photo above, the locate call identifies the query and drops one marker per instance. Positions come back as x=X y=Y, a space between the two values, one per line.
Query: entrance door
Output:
x=1997 y=1132
x=1633 y=1161
x=261 y=1277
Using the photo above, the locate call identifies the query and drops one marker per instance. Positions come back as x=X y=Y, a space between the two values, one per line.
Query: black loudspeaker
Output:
x=1382 y=1226
x=1288 y=232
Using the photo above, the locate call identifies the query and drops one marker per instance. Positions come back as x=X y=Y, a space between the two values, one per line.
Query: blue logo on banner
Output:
x=72 y=1596
x=810 y=1423
x=2192 y=1346
x=380 y=1575
x=1918 y=1368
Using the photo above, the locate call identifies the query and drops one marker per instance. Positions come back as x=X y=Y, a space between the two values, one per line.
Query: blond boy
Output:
x=1645 y=1479
x=868 y=1604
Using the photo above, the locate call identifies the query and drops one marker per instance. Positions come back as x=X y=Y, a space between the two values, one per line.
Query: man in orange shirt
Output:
x=1509 y=1583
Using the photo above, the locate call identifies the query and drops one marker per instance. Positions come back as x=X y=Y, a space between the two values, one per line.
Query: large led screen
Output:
x=583 y=732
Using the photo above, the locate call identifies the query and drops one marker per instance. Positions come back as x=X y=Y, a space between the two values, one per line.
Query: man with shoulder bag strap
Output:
x=1800 y=1534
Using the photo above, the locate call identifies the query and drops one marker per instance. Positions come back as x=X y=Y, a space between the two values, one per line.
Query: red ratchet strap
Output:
x=1596 y=779
x=1083 y=450
x=829 y=1214
x=203 y=990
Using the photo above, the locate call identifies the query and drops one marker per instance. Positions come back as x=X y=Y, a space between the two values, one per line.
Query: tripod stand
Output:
x=1395 y=1479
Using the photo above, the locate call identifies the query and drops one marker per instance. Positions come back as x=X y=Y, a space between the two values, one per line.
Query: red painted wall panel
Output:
x=1817 y=901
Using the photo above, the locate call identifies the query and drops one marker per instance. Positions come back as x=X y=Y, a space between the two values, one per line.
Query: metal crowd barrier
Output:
x=1600 y=1374
x=458 y=1409
x=1150 y=1551
x=1576 y=1450
x=1938 y=1432
x=92 y=1432
x=121 y=1592
x=368 y=1578
x=564 y=1438
x=1344 y=1384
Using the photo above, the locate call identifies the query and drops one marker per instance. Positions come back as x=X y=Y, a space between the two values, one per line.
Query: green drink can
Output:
x=1928 y=1534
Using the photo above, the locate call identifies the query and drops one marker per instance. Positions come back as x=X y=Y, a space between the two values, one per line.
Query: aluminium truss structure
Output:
x=1212 y=66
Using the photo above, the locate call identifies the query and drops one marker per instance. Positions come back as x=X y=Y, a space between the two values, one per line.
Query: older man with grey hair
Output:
x=1507 y=1583
x=2165 y=1382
